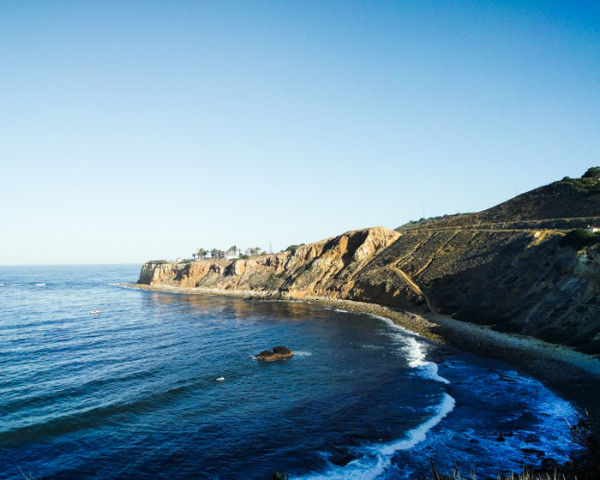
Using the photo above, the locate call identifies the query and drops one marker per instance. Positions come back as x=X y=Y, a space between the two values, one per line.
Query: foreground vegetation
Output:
x=521 y=476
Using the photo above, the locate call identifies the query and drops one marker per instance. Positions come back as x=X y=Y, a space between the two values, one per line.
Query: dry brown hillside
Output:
x=568 y=203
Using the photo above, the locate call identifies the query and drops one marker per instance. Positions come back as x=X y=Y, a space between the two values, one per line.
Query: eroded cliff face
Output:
x=325 y=268
x=521 y=281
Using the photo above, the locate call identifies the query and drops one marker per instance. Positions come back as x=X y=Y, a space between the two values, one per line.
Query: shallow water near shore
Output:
x=133 y=392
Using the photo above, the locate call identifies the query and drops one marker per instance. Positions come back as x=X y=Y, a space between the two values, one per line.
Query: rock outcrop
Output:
x=507 y=267
x=278 y=353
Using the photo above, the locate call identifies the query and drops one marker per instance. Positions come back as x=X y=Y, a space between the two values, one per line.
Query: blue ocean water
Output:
x=132 y=393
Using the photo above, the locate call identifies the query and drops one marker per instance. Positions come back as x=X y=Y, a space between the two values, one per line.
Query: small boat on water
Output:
x=95 y=312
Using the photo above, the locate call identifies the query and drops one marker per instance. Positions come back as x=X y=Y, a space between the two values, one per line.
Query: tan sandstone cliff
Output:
x=327 y=268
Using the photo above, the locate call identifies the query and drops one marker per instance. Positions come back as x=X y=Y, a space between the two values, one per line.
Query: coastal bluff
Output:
x=329 y=268
x=518 y=267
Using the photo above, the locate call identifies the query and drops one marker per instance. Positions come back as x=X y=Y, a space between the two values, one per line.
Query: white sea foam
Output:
x=366 y=468
x=418 y=434
x=372 y=347
x=395 y=326
x=416 y=359
x=553 y=413
x=414 y=350
x=341 y=310
x=40 y=284
x=302 y=353
x=376 y=458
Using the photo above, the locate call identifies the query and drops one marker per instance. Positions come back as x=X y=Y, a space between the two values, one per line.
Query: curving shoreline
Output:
x=574 y=376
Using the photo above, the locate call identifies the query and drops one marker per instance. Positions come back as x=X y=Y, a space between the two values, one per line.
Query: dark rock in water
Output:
x=282 y=351
x=533 y=451
x=500 y=438
x=341 y=459
x=278 y=353
x=265 y=354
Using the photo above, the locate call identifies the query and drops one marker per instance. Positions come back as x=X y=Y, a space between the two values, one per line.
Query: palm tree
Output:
x=253 y=251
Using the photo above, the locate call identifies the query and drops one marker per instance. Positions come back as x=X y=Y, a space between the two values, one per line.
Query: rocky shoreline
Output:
x=574 y=376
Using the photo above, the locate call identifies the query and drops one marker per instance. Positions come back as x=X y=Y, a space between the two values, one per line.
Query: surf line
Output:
x=418 y=434
x=377 y=458
x=414 y=351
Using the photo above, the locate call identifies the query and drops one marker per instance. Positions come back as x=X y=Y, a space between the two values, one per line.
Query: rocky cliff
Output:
x=512 y=267
x=328 y=268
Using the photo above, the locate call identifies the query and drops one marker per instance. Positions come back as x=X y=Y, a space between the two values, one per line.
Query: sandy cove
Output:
x=573 y=375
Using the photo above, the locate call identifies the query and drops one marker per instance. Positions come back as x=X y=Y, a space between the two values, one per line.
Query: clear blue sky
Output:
x=137 y=130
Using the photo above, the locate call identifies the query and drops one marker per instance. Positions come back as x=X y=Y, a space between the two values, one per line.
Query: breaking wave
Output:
x=375 y=459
